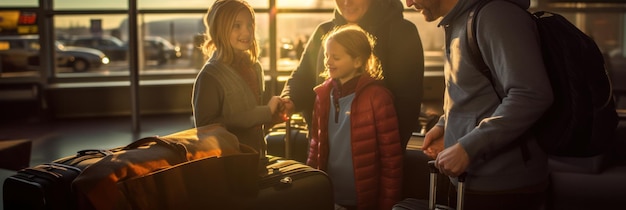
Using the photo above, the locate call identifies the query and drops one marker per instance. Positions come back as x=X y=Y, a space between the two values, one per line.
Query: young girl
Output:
x=229 y=88
x=354 y=134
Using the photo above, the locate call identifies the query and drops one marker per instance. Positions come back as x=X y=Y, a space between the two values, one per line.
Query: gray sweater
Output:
x=488 y=129
x=220 y=95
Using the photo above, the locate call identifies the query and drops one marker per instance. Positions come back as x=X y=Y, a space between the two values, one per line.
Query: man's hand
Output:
x=433 y=142
x=289 y=107
x=452 y=161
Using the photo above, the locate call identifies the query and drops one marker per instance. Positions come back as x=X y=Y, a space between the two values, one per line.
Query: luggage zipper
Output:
x=284 y=172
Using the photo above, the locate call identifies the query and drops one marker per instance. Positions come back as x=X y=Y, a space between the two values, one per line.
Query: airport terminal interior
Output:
x=99 y=75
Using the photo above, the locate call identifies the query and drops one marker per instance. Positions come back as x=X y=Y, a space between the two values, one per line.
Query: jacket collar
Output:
x=363 y=81
x=341 y=90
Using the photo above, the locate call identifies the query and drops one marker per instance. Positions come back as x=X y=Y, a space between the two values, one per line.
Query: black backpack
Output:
x=582 y=119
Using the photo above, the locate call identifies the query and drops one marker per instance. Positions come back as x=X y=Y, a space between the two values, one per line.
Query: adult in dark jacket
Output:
x=399 y=49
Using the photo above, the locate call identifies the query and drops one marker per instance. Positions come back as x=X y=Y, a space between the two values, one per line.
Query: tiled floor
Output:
x=59 y=138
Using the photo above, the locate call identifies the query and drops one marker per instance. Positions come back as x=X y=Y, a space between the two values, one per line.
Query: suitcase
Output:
x=45 y=186
x=290 y=184
x=207 y=183
x=284 y=184
x=48 y=185
x=430 y=204
x=294 y=146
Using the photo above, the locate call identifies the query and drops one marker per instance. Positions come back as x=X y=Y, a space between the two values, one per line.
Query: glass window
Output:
x=19 y=3
x=191 y=4
x=19 y=55
x=169 y=4
x=306 y=4
x=431 y=35
x=180 y=33
x=90 y=5
x=87 y=37
x=293 y=31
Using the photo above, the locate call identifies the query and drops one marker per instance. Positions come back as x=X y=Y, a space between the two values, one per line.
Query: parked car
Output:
x=20 y=53
x=113 y=47
x=155 y=48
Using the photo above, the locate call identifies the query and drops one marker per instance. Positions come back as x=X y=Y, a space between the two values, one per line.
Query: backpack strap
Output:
x=472 y=41
x=481 y=66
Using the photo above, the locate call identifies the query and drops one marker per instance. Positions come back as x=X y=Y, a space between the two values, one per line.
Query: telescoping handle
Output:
x=432 y=196
x=288 y=138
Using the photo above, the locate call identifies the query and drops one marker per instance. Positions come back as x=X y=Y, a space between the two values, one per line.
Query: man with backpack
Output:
x=483 y=130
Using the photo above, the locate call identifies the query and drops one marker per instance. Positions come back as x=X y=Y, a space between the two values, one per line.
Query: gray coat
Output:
x=491 y=130
x=220 y=95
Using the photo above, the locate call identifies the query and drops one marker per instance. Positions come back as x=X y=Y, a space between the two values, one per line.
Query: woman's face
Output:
x=353 y=10
x=241 y=34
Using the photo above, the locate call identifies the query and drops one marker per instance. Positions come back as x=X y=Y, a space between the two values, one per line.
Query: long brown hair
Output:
x=358 y=44
x=219 y=22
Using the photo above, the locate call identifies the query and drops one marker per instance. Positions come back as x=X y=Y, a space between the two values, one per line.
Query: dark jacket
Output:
x=398 y=47
x=376 y=153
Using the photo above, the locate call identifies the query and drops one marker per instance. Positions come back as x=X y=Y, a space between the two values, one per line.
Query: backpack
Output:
x=582 y=119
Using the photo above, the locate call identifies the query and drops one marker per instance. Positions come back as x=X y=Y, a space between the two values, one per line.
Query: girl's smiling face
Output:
x=341 y=65
x=242 y=33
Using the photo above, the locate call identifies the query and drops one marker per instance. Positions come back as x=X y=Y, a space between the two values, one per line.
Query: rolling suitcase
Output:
x=290 y=184
x=294 y=146
x=418 y=204
x=48 y=185
x=45 y=186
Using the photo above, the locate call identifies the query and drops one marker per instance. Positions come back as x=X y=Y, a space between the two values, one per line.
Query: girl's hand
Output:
x=275 y=103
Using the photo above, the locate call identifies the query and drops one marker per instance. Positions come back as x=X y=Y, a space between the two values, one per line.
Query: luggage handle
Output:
x=432 y=196
x=288 y=140
x=175 y=146
x=84 y=152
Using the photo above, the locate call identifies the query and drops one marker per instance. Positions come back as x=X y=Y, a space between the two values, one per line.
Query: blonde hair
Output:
x=358 y=44
x=219 y=22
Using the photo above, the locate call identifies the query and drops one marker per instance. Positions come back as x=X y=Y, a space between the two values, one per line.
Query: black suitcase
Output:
x=430 y=204
x=45 y=186
x=48 y=185
x=290 y=184
x=294 y=146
